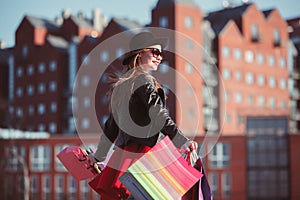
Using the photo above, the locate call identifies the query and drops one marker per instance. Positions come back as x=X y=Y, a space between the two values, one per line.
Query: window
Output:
x=52 y=66
x=276 y=37
x=271 y=61
x=59 y=186
x=30 y=110
x=214 y=183
x=238 y=54
x=249 y=56
x=46 y=185
x=282 y=62
x=25 y=51
x=254 y=33
x=225 y=51
x=72 y=189
x=189 y=68
x=238 y=97
x=226 y=73
x=120 y=52
x=52 y=127
x=41 y=88
x=34 y=186
x=41 y=109
x=19 y=72
x=52 y=86
x=41 y=127
x=71 y=124
x=267 y=158
x=30 y=70
x=228 y=118
x=85 y=123
x=19 y=92
x=87 y=101
x=188 y=22
x=85 y=80
x=58 y=165
x=272 y=82
x=249 y=78
x=41 y=68
x=226 y=185
x=272 y=102
x=282 y=84
x=238 y=76
x=19 y=112
x=189 y=44
x=261 y=80
x=260 y=58
x=30 y=90
x=85 y=59
x=220 y=156
x=163 y=22
x=15 y=158
x=40 y=158
x=53 y=107
x=84 y=189
x=104 y=56
x=261 y=101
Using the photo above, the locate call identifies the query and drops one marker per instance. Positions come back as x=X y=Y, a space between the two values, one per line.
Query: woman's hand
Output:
x=190 y=145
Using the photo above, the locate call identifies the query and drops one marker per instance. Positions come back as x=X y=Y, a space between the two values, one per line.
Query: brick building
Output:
x=255 y=156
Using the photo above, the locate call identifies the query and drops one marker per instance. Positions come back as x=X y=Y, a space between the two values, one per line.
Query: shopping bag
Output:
x=162 y=173
x=76 y=161
x=201 y=190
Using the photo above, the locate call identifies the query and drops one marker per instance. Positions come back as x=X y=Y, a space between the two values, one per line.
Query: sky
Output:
x=13 y=11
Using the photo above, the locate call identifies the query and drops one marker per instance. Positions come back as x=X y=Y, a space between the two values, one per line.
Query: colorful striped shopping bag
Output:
x=162 y=173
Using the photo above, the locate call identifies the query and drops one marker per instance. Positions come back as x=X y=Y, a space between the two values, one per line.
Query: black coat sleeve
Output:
x=149 y=96
x=111 y=131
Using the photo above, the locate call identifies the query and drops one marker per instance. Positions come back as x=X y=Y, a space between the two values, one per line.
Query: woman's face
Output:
x=151 y=57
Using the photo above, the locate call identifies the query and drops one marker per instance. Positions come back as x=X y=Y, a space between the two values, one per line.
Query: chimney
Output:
x=66 y=13
x=59 y=20
x=97 y=19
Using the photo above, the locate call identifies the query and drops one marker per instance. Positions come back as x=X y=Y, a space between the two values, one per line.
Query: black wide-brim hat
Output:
x=141 y=41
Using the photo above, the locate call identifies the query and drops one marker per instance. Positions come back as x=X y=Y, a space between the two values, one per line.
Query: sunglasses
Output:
x=156 y=52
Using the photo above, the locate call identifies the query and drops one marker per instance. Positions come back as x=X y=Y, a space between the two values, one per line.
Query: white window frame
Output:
x=40 y=157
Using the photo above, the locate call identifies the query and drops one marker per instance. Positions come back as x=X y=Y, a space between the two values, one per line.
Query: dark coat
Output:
x=138 y=115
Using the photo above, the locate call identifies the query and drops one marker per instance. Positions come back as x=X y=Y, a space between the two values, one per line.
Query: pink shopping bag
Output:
x=76 y=160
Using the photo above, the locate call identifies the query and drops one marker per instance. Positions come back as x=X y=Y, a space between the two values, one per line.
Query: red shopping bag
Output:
x=162 y=173
x=76 y=160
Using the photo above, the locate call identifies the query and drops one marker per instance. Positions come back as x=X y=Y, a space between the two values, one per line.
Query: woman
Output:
x=138 y=115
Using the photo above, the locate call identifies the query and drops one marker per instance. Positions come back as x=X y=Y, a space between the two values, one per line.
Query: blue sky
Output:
x=13 y=11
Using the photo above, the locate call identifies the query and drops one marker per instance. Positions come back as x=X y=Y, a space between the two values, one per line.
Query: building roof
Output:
x=163 y=3
x=220 y=18
x=42 y=23
x=57 y=42
x=126 y=24
x=81 y=21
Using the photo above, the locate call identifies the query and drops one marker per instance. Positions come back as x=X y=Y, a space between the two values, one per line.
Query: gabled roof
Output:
x=126 y=24
x=81 y=22
x=42 y=23
x=57 y=42
x=220 y=18
x=163 y=3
